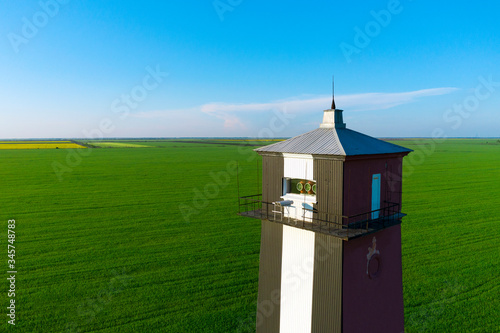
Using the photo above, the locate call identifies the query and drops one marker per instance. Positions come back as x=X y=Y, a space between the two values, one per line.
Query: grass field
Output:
x=450 y=237
x=39 y=145
x=148 y=240
x=100 y=144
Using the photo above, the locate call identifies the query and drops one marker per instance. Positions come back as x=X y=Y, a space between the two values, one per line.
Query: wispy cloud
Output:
x=355 y=102
x=173 y=113
x=382 y=101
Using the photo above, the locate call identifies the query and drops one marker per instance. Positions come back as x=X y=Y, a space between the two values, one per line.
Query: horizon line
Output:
x=225 y=137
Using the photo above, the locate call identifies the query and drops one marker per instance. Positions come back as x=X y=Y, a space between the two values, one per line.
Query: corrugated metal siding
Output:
x=268 y=309
x=327 y=287
x=358 y=182
x=272 y=175
x=329 y=179
x=393 y=178
x=373 y=305
x=298 y=167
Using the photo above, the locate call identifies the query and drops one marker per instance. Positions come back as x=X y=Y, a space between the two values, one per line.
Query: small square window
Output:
x=299 y=186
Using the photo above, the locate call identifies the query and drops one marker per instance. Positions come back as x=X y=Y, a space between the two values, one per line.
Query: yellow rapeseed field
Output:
x=33 y=142
x=39 y=145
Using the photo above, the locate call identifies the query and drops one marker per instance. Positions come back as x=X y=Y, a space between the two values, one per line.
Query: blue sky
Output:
x=247 y=68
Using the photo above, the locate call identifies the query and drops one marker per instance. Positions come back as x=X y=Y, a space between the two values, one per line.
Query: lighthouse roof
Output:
x=333 y=141
x=333 y=138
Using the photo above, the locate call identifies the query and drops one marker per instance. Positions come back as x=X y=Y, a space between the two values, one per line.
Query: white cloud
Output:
x=355 y=102
x=382 y=101
x=179 y=113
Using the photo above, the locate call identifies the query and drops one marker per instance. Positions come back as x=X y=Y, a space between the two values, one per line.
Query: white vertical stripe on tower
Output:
x=297 y=267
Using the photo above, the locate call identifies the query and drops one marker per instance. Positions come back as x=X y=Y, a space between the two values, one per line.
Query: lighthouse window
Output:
x=299 y=186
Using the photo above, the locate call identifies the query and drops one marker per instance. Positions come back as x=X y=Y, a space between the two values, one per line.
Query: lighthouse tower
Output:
x=330 y=257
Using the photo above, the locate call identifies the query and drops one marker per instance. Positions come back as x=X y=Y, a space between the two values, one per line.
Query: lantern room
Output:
x=341 y=182
x=330 y=208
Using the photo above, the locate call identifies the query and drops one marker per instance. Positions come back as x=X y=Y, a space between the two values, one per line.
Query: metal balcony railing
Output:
x=345 y=227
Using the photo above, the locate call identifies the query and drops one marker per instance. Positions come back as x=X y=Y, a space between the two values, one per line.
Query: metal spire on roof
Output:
x=333 y=93
x=332 y=118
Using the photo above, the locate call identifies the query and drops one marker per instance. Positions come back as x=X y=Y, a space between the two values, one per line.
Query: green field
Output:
x=123 y=241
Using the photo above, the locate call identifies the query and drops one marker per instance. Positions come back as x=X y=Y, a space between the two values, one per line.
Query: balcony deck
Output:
x=344 y=227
